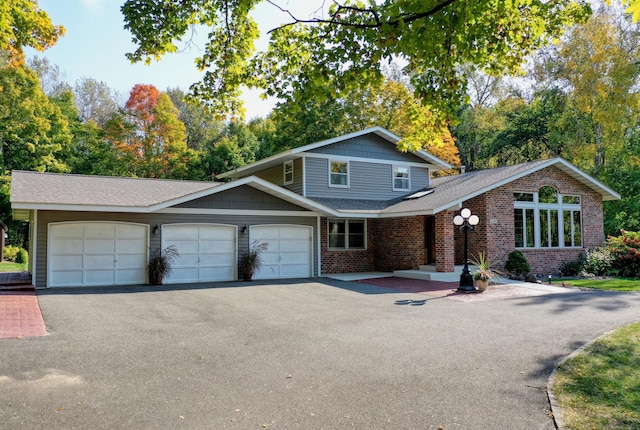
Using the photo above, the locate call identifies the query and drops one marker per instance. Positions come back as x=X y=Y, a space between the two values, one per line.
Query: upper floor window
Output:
x=401 y=178
x=288 y=172
x=339 y=174
x=547 y=219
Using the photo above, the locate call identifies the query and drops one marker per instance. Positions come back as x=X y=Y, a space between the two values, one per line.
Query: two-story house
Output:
x=349 y=204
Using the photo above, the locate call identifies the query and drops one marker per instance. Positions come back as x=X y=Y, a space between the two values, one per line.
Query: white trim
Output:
x=348 y=173
x=368 y=160
x=304 y=176
x=393 y=177
x=284 y=172
x=319 y=245
x=34 y=269
x=247 y=212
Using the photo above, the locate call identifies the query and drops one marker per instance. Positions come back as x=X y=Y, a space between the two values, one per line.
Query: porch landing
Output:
x=429 y=273
x=425 y=273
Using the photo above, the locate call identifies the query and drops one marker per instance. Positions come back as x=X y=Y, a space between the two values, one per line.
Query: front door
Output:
x=429 y=240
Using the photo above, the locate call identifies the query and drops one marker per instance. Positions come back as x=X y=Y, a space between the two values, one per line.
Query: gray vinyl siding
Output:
x=46 y=217
x=241 y=198
x=275 y=175
x=367 y=181
x=368 y=146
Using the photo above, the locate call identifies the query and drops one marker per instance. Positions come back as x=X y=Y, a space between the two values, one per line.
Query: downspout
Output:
x=319 y=246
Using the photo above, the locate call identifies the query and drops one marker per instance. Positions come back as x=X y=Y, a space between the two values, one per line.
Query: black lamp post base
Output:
x=466 y=283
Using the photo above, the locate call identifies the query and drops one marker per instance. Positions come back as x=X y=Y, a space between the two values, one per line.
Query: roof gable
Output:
x=385 y=135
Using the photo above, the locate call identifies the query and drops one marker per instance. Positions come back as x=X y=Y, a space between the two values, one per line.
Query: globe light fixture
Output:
x=465 y=222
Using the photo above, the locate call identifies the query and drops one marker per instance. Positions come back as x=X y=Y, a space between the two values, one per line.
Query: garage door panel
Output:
x=99 y=230
x=69 y=278
x=67 y=262
x=207 y=252
x=67 y=246
x=97 y=253
x=130 y=276
x=124 y=231
x=99 y=277
x=288 y=254
x=66 y=231
x=95 y=246
x=137 y=262
x=99 y=261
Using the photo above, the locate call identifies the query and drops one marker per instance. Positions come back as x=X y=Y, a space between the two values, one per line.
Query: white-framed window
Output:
x=547 y=219
x=347 y=234
x=401 y=178
x=288 y=172
x=338 y=173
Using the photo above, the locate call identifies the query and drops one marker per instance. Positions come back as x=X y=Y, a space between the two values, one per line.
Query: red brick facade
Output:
x=398 y=243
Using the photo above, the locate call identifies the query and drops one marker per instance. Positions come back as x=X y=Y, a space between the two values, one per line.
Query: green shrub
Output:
x=517 y=264
x=10 y=252
x=573 y=268
x=598 y=262
x=625 y=253
x=22 y=257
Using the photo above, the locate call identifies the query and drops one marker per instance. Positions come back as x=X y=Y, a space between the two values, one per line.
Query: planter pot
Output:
x=481 y=285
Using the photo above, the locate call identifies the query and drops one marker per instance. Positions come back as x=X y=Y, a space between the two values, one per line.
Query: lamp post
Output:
x=465 y=222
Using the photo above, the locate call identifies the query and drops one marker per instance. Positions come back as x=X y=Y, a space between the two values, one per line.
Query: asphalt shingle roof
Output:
x=63 y=189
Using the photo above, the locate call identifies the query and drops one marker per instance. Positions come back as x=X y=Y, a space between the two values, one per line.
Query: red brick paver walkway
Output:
x=20 y=314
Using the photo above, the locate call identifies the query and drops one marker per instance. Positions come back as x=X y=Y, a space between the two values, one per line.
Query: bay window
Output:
x=547 y=219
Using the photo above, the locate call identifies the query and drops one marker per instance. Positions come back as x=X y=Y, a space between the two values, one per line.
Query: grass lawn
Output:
x=609 y=284
x=600 y=387
x=12 y=267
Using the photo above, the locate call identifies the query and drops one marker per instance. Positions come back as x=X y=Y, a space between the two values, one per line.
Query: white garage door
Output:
x=288 y=254
x=97 y=253
x=207 y=252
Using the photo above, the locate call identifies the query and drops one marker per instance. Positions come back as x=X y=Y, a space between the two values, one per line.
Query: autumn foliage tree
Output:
x=147 y=135
x=23 y=24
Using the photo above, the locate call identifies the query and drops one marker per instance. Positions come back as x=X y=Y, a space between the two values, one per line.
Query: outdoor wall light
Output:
x=244 y=229
x=465 y=222
x=156 y=229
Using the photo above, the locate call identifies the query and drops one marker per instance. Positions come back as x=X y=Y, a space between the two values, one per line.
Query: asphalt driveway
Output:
x=295 y=355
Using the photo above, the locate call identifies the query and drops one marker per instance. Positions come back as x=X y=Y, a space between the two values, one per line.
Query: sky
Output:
x=96 y=42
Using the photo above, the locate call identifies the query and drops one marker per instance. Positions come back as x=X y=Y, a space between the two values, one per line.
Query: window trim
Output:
x=539 y=209
x=284 y=172
x=346 y=234
x=347 y=174
x=393 y=177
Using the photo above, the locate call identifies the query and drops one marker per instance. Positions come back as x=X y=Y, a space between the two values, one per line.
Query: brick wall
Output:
x=392 y=244
x=401 y=243
x=496 y=229
x=347 y=261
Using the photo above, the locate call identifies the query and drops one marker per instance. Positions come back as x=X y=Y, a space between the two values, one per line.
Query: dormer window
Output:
x=288 y=172
x=401 y=178
x=339 y=174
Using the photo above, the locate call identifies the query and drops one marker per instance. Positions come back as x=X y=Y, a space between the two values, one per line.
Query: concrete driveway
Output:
x=295 y=355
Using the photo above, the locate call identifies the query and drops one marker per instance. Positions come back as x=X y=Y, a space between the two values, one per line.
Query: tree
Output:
x=33 y=131
x=596 y=66
x=202 y=126
x=348 y=46
x=148 y=136
x=51 y=78
x=96 y=101
x=24 y=24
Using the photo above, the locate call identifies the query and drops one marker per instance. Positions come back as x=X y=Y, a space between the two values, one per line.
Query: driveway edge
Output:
x=556 y=411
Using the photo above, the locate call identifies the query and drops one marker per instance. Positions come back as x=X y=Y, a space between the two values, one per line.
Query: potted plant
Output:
x=160 y=264
x=484 y=272
x=251 y=260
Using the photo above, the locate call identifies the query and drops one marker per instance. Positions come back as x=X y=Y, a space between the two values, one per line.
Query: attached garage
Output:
x=207 y=252
x=97 y=253
x=289 y=254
